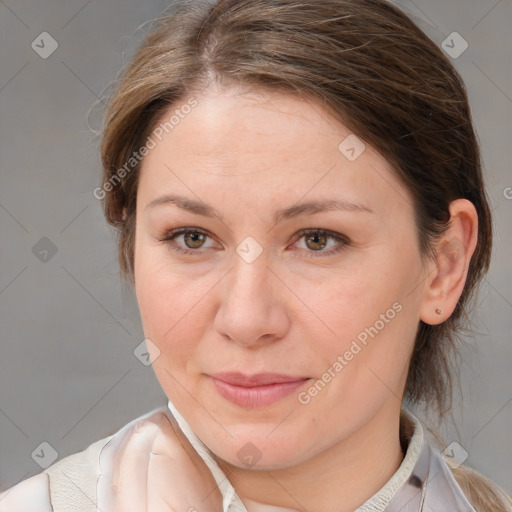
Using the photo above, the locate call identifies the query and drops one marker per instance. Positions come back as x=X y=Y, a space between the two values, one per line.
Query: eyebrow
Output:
x=308 y=208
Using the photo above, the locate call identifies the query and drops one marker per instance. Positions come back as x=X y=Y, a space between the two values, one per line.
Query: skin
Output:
x=298 y=305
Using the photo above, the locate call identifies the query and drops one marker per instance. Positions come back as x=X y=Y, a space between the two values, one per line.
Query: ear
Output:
x=447 y=277
x=124 y=213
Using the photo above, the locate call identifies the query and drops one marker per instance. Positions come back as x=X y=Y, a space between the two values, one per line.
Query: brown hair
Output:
x=365 y=62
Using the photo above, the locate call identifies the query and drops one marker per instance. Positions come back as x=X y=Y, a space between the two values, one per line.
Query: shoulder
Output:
x=72 y=483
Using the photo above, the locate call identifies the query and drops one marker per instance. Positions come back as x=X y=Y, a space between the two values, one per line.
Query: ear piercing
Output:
x=438 y=311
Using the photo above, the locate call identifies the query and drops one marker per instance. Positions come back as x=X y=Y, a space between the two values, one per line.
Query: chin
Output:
x=248 y=449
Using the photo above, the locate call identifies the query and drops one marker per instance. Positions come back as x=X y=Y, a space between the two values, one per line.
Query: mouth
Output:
x=255 y=391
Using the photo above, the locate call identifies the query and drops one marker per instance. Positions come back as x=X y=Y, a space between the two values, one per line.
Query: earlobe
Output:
x=445 y=284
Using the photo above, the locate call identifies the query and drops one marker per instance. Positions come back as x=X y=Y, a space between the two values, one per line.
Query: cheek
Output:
x=175 y=309
x=349 y=302
x=372 y=318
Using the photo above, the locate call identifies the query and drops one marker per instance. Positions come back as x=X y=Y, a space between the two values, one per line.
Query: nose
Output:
x=252 y=309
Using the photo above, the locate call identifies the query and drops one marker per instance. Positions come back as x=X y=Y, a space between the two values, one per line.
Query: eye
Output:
x=192 y=238
x=315 y=241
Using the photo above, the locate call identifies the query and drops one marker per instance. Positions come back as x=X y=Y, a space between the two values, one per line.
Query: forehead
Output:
x=262 y=146
x=235 y=125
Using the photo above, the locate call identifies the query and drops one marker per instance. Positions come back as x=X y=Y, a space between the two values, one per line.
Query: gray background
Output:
x=68 y=375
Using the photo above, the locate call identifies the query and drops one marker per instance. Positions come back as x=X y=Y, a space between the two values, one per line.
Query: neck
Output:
x=340 y=479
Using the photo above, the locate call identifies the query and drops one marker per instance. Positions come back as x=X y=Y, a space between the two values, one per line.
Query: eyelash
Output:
x=343 y=241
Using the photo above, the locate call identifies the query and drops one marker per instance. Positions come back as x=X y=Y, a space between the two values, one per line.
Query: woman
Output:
x=298 y=193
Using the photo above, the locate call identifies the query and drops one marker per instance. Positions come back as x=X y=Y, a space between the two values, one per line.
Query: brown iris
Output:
x=318 y=239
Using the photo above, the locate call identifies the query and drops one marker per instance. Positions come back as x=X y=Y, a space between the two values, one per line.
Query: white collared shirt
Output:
x=81 y=482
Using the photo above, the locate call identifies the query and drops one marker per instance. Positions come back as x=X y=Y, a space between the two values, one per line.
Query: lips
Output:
x=252 y=391
x=260 y=379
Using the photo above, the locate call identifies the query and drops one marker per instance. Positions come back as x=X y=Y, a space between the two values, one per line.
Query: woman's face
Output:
x=282 y=321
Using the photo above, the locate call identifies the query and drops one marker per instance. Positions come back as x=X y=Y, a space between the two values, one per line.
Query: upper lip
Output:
x=260 y=379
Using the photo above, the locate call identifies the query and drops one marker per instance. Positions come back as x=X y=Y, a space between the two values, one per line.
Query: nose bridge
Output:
x=249 y=281
x=249 y=308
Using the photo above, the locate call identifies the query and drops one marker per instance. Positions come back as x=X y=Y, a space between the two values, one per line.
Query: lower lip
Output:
x=256 y=396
